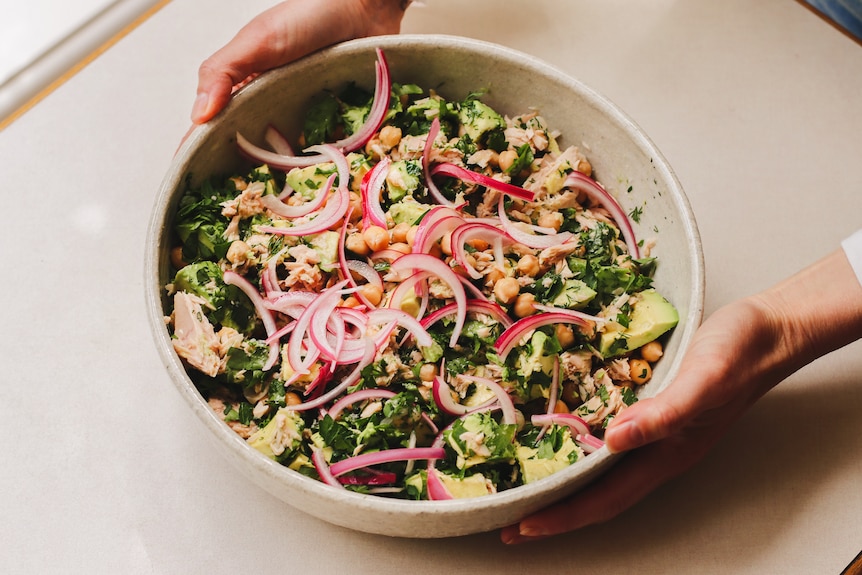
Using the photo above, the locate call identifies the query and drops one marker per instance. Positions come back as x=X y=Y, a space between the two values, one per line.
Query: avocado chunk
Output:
x=477 y=118
x=403 y=178
x=281 y=436
x=535 y=357
x=462 y=488
x=326 y=246
x=537 y=464
x=307 y=181
x=575 y=294
x=652 y=315
x=407 y=211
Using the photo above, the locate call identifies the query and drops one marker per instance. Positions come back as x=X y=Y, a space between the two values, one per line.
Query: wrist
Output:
x=811 y=314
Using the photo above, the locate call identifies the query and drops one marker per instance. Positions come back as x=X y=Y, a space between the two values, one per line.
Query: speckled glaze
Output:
x=621 y=154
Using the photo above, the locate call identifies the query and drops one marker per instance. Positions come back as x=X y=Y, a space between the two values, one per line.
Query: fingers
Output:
x=282 y=34
x=628 y=482
x=255 y=48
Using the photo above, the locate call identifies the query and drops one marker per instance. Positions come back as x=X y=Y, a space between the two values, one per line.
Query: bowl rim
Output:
x=255 y=461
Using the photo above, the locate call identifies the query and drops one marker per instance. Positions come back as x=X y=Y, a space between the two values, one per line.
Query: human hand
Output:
x=737 y=355
x=285 y=33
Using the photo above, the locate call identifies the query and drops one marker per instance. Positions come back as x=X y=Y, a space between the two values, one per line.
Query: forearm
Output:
x=814 y=312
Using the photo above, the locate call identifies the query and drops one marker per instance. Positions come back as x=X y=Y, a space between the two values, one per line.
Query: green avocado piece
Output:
x=536 y=360
x=463 y=488
x=534 y=467
x=403 y=178
x=407 y=211
x=477 y=118
x=307 y=181
x=652 y=315
x=326 y=246
x=289 y=424
x=575 y=294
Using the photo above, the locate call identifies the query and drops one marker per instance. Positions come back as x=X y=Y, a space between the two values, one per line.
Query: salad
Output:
x=431 y=300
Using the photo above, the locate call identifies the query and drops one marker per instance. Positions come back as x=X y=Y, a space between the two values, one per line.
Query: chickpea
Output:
x=561 y=407
x=435 y=251
x=411 y=235
x=376 y=238
x=652 y=351
x=351 y=301
x=356 y=244
x=390 y=136
x=399 y=232
x=524 y=305
x=585 y=168
x=493 y=276
x=292 y=398
x=551 y=220
x=237 y=253
x=506 y=290
x=355 y=206
x=565 y=335
x=374 y=148
x=427 y=372
x=400 y=247
x=528 y=265
x=477 y=244
x=177 y=258
x=506 y=159
x=641 y=372
x=372 y=293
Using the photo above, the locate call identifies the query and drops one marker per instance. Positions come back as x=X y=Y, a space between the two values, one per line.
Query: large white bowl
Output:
x=622 y=156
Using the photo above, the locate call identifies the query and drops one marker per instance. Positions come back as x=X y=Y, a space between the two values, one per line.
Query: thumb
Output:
x=646 y=421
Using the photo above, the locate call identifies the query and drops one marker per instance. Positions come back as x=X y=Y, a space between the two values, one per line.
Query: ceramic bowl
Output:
x=623 y=158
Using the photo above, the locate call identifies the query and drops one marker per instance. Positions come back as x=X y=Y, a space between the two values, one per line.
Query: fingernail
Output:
x=200 y=106
x=629 y=434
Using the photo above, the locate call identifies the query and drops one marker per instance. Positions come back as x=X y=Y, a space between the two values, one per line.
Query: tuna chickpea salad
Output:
x=430 y=300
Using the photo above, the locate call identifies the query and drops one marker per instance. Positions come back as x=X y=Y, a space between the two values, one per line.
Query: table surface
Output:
x=105 y=470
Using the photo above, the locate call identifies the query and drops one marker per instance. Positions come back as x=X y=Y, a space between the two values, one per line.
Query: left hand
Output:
x=284 y=33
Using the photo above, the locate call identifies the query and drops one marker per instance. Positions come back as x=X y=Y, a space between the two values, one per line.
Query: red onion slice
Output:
x=370 y=189
x=335 y=209
x=488 y=308
x=365 y=361
x=446 y=275
x=598 y=194
x=466 y=175
x=277 y=141
x=279 y=208
x=510 y=338
x=386 y=456
x=529 y=240
x=570 y=420
x=437 y=491
x=356 y=397
x=589 y=443
x=322 y=468
x=426 y=165
x=506 y=405
x=405 y=320
x=379 y=107
x=233 y=278
x=470 y=231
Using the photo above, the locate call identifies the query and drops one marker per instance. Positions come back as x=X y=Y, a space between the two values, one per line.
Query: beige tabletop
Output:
x=757 y=105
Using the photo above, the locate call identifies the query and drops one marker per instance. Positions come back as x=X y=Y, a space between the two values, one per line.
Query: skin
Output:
x=284 y=33
x=740 y=352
